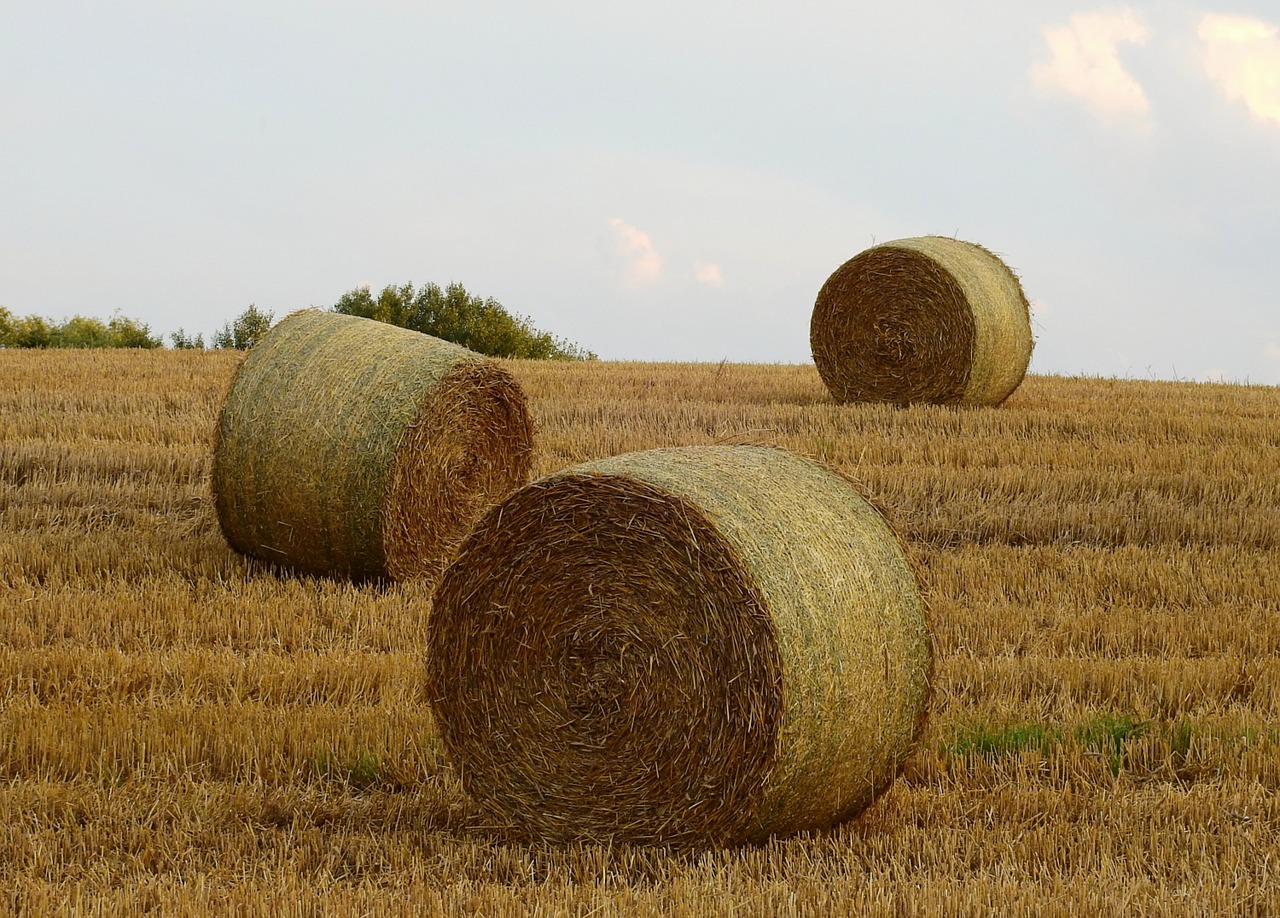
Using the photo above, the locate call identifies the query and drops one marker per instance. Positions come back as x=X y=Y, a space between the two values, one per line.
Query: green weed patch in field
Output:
x=357 y=769
x=993 y=743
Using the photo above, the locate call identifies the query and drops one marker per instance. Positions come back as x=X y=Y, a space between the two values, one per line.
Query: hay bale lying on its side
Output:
x=690 y=646
x=922 y=320
x=348 y=446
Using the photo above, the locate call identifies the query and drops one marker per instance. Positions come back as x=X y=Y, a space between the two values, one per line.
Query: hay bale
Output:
x=691 y=646
x=922 y=320
x=352 y=447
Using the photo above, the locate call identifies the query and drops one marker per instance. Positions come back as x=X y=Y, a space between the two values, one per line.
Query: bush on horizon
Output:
x=483 y=325
x=34 y=331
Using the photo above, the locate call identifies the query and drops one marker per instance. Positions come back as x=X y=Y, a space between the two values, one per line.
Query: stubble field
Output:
x=187 y=732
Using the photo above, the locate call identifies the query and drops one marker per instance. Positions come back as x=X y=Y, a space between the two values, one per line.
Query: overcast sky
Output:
x=654 y=179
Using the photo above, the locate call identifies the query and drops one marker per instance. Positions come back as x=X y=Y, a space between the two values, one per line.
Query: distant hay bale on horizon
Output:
x=928 y=319
x=356 y=448
x=688 y=646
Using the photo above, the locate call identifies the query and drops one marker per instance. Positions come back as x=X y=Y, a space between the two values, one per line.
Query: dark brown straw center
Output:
x=469 y=446
x=602 y=667
x=892 y=325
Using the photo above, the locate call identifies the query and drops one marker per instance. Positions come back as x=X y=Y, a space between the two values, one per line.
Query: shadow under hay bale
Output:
x=707 y=645
x=929 y=319
x=352 y=447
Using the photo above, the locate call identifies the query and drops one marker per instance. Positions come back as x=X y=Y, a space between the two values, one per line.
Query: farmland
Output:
x=182 y=730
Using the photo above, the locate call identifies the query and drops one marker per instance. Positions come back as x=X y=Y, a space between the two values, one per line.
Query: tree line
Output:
x=78 y=331
x=483 y=325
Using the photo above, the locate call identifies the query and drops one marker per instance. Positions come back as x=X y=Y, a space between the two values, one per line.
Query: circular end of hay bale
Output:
x=687 y=646
x=470 y=445
x=929 y=319
x=356 y=448
x=594 y=677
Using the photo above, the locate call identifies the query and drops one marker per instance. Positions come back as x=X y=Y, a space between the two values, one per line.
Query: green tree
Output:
x=31 y=330
x=125 y=332
x=79 y=331
x=245 y=331
x=26 y=331
x=483 y=325
x=182 y=341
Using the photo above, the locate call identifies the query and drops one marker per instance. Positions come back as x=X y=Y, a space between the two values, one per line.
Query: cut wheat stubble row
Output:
x=682 y=646
x=355 y=448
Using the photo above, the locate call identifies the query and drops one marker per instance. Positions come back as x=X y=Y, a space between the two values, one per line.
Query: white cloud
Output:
x=1272 y=350
x=706 y=272
x=1242 y=55
x=642 y=263
x=1085 y=62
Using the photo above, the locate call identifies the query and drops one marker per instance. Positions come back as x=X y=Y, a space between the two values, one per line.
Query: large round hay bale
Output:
x=693 y=646
x=352 y=447
x=930 y=319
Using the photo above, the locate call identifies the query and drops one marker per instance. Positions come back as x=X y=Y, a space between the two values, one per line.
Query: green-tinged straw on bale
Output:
x=352 y=447
x=929 y=319
x=698 y=646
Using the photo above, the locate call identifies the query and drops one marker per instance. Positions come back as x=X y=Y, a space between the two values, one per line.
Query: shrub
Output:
x=181 y=341
x=26 y=331
x=126 y=332
x=77 y=332
x=245 y=331
x=482 y=325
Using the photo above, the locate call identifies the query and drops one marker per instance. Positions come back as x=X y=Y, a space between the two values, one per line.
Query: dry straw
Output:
x=930 y=319
x=352 y=447
x=707 y=645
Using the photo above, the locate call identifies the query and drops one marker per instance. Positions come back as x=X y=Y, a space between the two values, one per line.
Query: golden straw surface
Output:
x=929 y=319
x=689 y=646
x=352 y=447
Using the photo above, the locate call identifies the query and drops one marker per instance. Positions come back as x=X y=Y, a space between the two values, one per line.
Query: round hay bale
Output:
x=708 y=645
x=930 y=319
x=353 y=447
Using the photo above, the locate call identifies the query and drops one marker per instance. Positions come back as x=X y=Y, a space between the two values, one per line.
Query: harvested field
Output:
x=183 y=730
